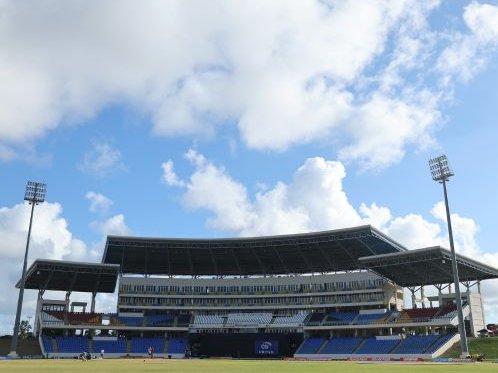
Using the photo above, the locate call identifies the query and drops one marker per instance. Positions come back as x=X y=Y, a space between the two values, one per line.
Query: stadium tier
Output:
x=335 y=294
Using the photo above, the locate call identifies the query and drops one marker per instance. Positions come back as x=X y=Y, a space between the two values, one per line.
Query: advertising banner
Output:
x=266 y=347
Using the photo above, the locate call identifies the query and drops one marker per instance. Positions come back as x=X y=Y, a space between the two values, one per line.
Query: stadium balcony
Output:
x=72 y=344
x=422 y=314
x=297 y=319
x=372 y=318
x=159 y=320
x=80 y=318
x=127 y=320
x=141 y=345
x=447 y=312
x=340 y=318
x=183 y=320
x=255 y=319
x=201 y=320
x=341 y=345
x=315 y=319
x=49 y=318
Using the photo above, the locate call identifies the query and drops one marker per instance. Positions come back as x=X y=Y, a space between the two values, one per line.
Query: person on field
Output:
x=150 y=352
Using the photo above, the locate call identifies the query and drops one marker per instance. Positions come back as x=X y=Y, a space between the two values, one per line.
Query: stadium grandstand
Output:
x=328 y=295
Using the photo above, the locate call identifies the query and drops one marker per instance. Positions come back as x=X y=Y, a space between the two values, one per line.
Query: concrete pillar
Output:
x=422 y=296
x=414 y=299
x=92 y=306
x=39 y=301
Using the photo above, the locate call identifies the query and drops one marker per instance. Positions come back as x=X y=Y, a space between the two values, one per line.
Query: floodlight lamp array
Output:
x=440 y=168
x=35 y=192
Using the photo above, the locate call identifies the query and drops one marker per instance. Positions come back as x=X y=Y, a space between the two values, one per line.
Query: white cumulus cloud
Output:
x=98 y=202
x=50 y=239
x=283 y=72
x=102 y=160
x=315 y=200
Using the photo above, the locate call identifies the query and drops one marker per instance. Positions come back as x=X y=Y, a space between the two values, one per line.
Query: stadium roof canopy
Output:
x=428 y=266
x=71 y=276
x=328 y=251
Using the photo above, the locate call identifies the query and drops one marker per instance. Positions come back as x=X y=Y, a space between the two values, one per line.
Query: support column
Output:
x=39 y=302
x=92 y=304
x=422 y=296
x=414 y=299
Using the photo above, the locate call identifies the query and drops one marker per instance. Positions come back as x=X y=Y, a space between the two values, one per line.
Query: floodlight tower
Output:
x=35 y=194
x=441 y=172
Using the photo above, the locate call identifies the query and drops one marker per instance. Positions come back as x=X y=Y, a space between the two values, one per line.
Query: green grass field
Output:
x=236 y=366
x=486 y=346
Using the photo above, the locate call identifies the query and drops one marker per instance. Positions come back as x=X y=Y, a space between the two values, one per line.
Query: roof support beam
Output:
x=325 y=256
x=236 y=260
x=308 y=264
x=258 y=259
x=213 y=260
x=287 y=270
x=191 y=265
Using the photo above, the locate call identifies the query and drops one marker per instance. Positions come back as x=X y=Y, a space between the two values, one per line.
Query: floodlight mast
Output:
x=35 y=194
x=441 y=172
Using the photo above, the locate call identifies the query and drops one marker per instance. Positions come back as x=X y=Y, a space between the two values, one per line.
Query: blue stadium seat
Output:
x=439 y=343
x=177 y=345
x=377 y=346
x=311 y=345
x=141 y=345
x=415 y=344
x=47 y=344
x=114 y=347
x=341 y=345
x=73 y=344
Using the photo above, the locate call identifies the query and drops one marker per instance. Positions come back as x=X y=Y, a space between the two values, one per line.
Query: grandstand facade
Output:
x=327 y=295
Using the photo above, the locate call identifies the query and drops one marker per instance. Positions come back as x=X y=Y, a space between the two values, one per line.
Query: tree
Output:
x=24 y=329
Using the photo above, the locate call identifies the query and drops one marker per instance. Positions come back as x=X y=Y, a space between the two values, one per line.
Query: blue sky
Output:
x=215 y=120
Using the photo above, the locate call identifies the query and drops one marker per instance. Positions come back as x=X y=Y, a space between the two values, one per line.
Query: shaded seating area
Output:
x=340 y=318
x=372 y=318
